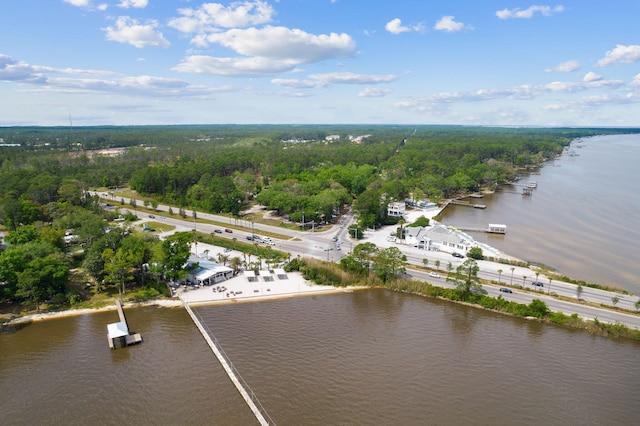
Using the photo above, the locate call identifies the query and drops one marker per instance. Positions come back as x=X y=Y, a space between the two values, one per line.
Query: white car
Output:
x=434 y=275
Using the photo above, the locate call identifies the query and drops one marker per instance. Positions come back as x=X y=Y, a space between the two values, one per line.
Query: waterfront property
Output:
x=497 y=228
x=118 y=332
x=396 y=209
x=436 y=238
x=207 y=272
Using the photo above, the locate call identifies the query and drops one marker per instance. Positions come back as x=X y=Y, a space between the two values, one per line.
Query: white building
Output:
x=396 y=209
x=436 y=238
x=207 y=272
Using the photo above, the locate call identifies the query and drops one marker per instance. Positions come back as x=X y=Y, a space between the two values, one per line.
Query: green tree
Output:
x=43 y=277
x=176 y=250
x=466 y=278
x=364 y=254
x=537 y=308
x=579 y=291
x=22 y=235
x=388 y=263
x=475 y=253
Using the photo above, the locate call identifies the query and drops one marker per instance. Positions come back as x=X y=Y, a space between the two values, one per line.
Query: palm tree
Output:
x=425 y=261
x=512 y=269
x=499 y=275
x=234 y=242
x=235 y=264
x=437 y=265
x=524 y=278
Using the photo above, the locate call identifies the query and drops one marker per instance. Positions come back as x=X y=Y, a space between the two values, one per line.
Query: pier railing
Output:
x=243 y=387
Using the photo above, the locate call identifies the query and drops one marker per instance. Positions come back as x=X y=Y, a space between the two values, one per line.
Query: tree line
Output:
x=293 y=170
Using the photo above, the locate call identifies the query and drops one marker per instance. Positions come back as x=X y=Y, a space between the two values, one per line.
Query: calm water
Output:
x=583 y=218
x=370 y=357
x=365 y=358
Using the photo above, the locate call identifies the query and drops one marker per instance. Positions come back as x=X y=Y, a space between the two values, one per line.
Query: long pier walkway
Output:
x=246 y=392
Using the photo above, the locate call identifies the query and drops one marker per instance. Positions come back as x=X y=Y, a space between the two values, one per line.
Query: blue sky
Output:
x=471 y=62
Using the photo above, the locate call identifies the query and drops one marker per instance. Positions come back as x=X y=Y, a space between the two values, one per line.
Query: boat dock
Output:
x=118 y=333
x=492 y=228
x=248 y=395
x=464 y=203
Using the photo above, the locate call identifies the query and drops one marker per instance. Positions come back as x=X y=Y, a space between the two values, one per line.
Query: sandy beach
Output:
x=238 y=289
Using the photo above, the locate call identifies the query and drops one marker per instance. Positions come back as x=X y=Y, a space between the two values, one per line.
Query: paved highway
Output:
x=320 y=244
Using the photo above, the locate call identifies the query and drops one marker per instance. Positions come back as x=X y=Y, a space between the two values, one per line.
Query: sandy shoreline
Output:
x=240 y=290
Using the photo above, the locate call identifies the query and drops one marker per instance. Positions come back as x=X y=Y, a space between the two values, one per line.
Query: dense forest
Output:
x=318 y=171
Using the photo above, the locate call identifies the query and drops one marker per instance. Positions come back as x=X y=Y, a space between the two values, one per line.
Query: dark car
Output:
x=505 y=290
x=537 y=284
x=217 y=231
x=456 y=254
x=249 y=237
x=228 y=230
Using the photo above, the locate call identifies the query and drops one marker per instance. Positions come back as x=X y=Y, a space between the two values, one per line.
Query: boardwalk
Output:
x=234 y=376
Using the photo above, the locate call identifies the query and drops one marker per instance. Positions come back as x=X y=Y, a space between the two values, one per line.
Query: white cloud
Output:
x=90 y=81
x=140 y=4
x=621 y=53
x=636 y=80
x=267 y=51
x=210 y=17
x=324 y=80
x=528 y=13
x=449 y=24
x=239 y=67
x=568 y=66
x=12 y=70
x=128 y=30
x=78 y=3
x=374 y=92
x=591 y=76
x=352 y=78
x=87 y=4
x=284 y=43
x=522 y=92
x=395 y=27
x=297 y=83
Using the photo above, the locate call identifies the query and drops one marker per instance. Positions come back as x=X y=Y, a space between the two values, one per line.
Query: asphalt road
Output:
x=320 y=244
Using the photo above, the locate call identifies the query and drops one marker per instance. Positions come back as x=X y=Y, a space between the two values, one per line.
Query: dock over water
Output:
x=118 y=333
x=234 y=376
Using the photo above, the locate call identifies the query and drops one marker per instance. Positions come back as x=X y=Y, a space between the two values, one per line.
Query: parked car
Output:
x=456 y=254
x=249 y=237
x=505 y=290
x=434 y=275
x=151 y=216
x=217 y=231
x=537 y=284
x=228 y=230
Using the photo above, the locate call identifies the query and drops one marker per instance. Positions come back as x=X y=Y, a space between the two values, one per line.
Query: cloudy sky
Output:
x=121 y=62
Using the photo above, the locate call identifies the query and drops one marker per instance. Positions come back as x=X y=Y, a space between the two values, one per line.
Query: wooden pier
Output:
x=118 y=333
x=492 y=228
x=463 y=203
x=247 y=394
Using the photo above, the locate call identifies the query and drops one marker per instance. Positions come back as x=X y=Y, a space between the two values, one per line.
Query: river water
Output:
x=582 y=220
x=369 y=357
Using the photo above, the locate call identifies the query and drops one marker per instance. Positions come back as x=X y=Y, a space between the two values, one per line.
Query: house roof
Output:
x=207 y=268
x=117 y=329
